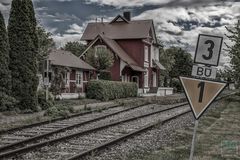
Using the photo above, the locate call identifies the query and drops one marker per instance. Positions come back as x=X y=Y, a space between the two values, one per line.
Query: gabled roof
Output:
x=138 y=29
x=113 y=45
x=119 y=18
x=67 y=59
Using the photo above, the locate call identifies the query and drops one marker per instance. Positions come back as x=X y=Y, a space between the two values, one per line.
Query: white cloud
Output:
x=161 y=3
x=62 y=39
x=75 y=28
x=165 y=20
x=72 y=34
x=128 y=3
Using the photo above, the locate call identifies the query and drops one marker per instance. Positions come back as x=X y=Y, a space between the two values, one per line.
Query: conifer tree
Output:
x=33 y=22
x=5 y=75
x=6 y=101
x=22 y=56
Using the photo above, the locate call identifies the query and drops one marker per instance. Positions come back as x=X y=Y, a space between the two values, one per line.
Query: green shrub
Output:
x=42 y=100
x=109 y=90
x=176 y=84
x=103 y=75
x=7 y=102
x=59 y=111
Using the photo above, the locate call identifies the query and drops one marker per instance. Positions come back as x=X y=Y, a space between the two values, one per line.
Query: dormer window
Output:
x=119 y=18
x=100 y=49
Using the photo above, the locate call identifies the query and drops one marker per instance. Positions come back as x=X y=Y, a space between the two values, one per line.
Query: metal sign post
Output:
x=193 y=139
x=202 y=90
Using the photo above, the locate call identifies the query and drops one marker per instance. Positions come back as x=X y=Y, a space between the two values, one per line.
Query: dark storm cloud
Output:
x=177 y=22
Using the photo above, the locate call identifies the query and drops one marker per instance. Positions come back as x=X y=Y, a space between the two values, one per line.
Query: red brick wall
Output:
x=115 y=69
x=134 y=48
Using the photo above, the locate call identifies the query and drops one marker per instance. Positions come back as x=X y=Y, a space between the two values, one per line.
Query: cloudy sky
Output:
x=177 y=22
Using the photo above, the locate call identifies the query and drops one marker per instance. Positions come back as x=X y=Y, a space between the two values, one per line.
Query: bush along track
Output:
x=109 y=90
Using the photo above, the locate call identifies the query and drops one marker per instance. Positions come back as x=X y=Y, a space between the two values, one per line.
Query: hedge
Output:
x=109 y=90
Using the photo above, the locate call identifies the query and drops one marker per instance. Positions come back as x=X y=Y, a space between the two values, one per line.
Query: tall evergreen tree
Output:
x=5 y=75
x=6 y=101
x=33 y=22
x=22 y=56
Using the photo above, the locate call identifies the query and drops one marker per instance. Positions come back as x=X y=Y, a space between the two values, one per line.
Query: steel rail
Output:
x=50 y=142
x=55 y=120
x=133 y=133
x=41 y=144
x=31 y=139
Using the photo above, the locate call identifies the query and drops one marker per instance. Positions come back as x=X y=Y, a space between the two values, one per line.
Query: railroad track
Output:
x=23 y=135
x=139 y=112
x=84 y=138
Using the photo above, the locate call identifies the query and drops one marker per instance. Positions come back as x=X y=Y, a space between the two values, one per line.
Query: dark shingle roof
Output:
x=67 y=59
x=132 y=30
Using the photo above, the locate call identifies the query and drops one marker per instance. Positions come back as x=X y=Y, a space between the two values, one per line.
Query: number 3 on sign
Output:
x=208 y=50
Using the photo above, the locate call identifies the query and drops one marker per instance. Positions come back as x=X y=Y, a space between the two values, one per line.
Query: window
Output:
x=99 y=49
x=156 y=53
x=78 y=78
x=146 y=78
x=146 y=54
x=66 y=78
x=49 y=76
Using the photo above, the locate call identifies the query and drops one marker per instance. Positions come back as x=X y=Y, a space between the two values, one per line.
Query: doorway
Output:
x=136 y=80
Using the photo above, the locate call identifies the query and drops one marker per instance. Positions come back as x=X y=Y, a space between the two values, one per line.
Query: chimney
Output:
x=127 y=15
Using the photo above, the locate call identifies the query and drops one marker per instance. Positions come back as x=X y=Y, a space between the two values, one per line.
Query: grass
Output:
x=218 y=137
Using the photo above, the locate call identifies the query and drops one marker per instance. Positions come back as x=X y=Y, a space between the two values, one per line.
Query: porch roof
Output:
x=137 y=68
x=67 y=59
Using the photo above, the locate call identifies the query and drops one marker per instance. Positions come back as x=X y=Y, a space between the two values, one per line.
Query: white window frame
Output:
x=146 y=53
x=146 y=78
x=67 y=78
x=154 y=79
x=103 y=47
x=156 y=53
x=79 y=78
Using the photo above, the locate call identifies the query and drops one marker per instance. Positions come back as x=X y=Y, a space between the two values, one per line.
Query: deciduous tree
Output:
x=76 y=48
x=234 y=50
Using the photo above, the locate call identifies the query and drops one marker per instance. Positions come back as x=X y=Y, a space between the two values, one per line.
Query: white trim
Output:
x=146 y=53
x=91 y=44
x=79 y=73
x=144 y=41
x=67 y=78
x=146 y=77
x=154 y=79
x=122 y=66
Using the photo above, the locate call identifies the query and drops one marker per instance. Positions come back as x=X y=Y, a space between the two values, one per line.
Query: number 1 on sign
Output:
x=201 y=85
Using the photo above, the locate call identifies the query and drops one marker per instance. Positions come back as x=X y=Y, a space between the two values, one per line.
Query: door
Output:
x=136 y=80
